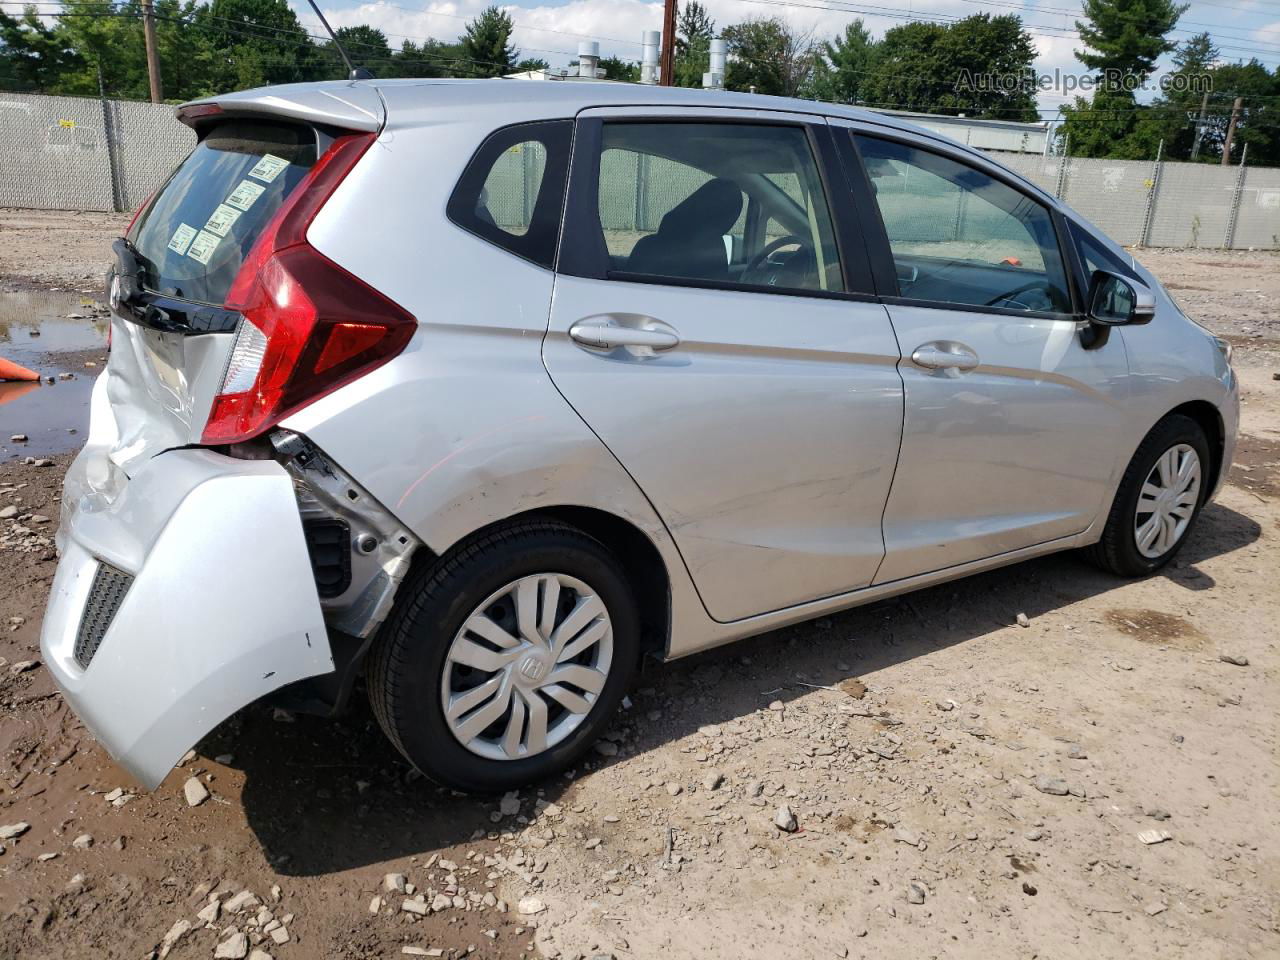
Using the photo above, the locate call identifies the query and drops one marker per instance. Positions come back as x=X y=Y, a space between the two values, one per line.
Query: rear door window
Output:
x=200 y=226
x=715 y=203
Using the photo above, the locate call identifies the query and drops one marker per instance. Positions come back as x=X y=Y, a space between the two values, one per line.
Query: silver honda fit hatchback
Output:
x=483 y=390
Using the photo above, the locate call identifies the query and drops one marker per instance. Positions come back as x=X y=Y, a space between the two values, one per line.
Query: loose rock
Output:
x=1052 y=785
x=785 y=820
x=393 y=883
x=530 y=906
x=195 y=792
x=235 y=947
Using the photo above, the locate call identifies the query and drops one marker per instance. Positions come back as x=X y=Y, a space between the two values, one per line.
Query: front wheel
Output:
x=1159 y=499
x=509 y=657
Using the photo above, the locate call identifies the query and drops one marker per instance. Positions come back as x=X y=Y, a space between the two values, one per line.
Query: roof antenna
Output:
x=353 y=72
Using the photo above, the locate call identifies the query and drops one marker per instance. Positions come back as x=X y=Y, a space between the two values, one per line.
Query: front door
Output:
x=705 y=327
x=1012 y=424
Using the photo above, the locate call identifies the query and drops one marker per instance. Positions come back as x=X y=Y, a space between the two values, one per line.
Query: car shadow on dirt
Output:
x=325 y=796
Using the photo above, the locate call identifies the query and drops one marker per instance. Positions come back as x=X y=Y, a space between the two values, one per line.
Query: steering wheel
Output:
x=1033 y=285
x=759 y=259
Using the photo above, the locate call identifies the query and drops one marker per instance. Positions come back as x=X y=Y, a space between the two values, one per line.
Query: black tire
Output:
x=409 y=657
x=1117 y=552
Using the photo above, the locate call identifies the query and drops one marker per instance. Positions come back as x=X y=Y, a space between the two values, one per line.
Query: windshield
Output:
x=193 y=237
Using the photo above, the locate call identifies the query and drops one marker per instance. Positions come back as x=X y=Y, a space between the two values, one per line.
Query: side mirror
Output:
x=1116 y=301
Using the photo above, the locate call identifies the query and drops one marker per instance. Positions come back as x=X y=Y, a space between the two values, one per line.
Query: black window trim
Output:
x=880 y=252
x=582 y=251
x=551 y=191
x=1079 y=234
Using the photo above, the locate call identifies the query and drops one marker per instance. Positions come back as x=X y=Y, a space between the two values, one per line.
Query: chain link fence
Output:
x=74 y=153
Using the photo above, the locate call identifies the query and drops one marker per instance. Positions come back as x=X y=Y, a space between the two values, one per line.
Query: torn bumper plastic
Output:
x=183 y=594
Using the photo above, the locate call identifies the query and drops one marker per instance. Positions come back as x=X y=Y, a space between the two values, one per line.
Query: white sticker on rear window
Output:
x=202 y=246
x=221 y=220
x=268 y=168
x=181 y=239
x=246 y=195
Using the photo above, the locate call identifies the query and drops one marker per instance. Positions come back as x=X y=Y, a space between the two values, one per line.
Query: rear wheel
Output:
x=1159 y=499
x=508 y=658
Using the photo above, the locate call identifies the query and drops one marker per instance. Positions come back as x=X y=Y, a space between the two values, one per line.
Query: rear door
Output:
x=1012 y=421
x=723 y=343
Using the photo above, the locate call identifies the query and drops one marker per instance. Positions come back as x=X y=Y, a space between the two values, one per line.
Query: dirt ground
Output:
x=964 y=787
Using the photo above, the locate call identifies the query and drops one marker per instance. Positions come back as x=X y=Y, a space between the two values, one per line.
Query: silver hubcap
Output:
x=1167 y=501
x=527 y=667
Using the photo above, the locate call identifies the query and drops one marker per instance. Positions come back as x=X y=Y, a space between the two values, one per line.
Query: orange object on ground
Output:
x=1012 y=261
x=15 y=371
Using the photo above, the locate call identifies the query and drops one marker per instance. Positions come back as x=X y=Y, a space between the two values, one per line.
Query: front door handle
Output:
x=601 y=334
x=944 y=355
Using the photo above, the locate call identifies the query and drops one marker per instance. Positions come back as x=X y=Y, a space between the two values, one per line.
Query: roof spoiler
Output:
x=339 y=103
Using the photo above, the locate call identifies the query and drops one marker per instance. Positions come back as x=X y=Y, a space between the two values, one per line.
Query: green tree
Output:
x=769 y=56
x=257 y=42
x=845 y=66
x=616 y=68
x=1127 y=36
x=113 y=44
x=694 y=30
x=33 y=55
x=366 y=46
x=996 y=47
x=533 y=63
x=1167 y=119
x=910 y=68
x=431 y=58
x=1124 y=39
x=1259 y=123
x=487 y=44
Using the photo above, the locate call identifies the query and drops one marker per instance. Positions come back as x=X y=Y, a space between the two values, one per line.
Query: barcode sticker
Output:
x=181 y=239
x=246 y=195
x=220 y=220
x=202 y=247
x=268 y=168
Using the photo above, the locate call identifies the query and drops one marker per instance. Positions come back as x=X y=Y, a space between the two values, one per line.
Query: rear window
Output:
x=199 y=228
x=513 y=188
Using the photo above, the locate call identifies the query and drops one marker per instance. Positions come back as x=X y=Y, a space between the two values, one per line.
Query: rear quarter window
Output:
x=512 y=191
x=198 y=229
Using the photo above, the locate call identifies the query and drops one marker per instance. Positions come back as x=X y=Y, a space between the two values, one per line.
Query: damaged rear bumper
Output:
x=183 y=594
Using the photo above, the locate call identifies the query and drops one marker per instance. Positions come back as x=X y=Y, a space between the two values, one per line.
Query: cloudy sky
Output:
x=552 y=30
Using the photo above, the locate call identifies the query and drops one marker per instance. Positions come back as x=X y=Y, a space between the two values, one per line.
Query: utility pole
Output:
x=668 y=72
x=1200 y=125
x=153 y=57
x=1231 y=131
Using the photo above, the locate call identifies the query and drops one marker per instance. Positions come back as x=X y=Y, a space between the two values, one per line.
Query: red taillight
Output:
x=309 y=326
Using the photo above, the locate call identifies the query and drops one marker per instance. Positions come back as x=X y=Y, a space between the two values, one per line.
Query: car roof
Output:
x=368 y=104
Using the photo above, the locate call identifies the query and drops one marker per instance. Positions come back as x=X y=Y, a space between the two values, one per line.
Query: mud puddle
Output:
x=54 y=334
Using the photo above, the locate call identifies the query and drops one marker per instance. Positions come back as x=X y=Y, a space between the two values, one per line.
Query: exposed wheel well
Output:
x=641 y=560
x=1210 y=421
x=643 y=563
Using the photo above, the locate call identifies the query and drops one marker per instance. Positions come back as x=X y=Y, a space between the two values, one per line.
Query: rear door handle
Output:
x=601 y=334
x=944 y=355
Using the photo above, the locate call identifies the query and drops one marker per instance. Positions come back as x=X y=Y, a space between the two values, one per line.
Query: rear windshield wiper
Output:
x=130 y=297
